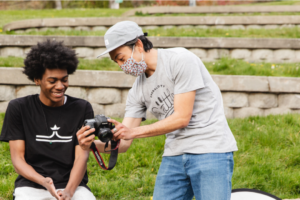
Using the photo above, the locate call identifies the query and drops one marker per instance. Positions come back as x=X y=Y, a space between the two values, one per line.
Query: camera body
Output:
x=102 y=127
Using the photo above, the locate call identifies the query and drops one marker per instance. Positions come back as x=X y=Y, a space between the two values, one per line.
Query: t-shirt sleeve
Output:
x=12 y=126
x=187 y=74
x=89 y=114
x=135 y=107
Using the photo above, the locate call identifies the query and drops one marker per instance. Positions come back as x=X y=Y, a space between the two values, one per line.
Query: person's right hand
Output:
x=84 y=141
x=48 y=184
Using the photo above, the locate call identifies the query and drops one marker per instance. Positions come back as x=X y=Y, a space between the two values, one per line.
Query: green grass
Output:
x=224 y=66
x=141 y=14
x=268 y=159
x=293 y=32
x=227 y=66
x=277 y=3
x=7 y=16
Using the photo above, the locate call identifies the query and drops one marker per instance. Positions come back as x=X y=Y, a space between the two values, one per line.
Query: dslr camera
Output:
x=102 y=127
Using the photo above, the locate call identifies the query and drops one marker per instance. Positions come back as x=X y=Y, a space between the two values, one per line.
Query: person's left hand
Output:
x=64 y=194
x=122 y=131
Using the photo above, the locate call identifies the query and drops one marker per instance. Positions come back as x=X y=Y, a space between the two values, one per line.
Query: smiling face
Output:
x=54 y=84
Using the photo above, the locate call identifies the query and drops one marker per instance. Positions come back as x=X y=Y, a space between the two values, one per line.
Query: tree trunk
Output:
x=58 y=5
x=113 y=4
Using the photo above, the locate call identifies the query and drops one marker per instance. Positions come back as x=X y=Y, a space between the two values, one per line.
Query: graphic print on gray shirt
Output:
x=180 y=71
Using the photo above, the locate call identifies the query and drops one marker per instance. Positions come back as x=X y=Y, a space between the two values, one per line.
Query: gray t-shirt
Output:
x=179 y=71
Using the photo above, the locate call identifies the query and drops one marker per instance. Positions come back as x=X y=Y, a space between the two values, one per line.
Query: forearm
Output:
x=124 y=145
x=77 y=173
x=27 y=171
x=167 y=125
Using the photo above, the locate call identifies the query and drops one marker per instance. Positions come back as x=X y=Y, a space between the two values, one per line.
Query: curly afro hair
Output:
x=49 y=55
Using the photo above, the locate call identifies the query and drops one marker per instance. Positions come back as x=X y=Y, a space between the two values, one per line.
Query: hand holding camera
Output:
x=100 y=127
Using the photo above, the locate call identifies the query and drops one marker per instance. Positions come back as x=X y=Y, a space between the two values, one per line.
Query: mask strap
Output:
x=132 y=51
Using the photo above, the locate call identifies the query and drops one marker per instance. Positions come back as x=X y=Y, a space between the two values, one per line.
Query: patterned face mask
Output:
x=134 y=68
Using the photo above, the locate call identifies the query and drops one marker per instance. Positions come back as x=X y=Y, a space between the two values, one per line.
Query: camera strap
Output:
x=113 y=154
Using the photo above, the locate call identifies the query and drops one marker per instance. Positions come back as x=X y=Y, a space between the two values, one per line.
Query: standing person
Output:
x=175 y=86
x=41 y=130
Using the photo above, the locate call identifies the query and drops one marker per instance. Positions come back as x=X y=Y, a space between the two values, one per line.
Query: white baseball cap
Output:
x=119 y=34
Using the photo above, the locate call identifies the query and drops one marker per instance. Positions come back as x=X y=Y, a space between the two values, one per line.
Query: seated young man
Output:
x=41 y=130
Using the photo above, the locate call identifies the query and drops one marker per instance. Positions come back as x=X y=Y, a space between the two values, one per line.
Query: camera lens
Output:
x=105 y=135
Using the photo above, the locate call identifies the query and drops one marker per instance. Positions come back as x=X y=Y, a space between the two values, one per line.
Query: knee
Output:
x=83 y=193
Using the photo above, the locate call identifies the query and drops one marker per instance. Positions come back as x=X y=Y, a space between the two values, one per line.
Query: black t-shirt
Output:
x=49 y=134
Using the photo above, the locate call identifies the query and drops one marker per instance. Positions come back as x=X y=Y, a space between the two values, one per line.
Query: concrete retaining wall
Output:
x=212 y=9
x=208 y=49
x=96 y=24
x=243 y=96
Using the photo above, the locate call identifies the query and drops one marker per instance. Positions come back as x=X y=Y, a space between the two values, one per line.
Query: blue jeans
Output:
x=205 y=176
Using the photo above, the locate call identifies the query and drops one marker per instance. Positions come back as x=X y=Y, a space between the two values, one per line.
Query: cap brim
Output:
x=108 y=50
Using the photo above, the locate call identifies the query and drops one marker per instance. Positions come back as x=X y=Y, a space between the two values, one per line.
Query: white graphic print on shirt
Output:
x=55 y=133
x=164 y=104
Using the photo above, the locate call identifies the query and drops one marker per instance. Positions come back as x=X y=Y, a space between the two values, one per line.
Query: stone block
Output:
x=297 y=111
x=65 y=28
x=284 y=55
x=287 y=26
x=277 y=111
x=168 y=27
x=124 y=95
x=98 y=109
x=27 y=50
x=149 y=115
x=84 y=52
x=202 y=26
x=254 y=27
x=243 y=54
x=11 y=51
x=149 y=27
x=82 y=28
x=185 y=26
x=78 y=92
x=241 y=27
x=221 y=27
x=270 y=26
x=45 y=29
x=261 y=100
x=115 y=110
x=235 y=99
x=6 y=74
x=214 y=54
x=104 y=95
x=31 y=30
x=98 y=51
x=99 y=28
x=284 y=84
x=242 y=83
x=289 y=100
x=297 y=55
x=228 y=112
x=19 y=31
x=98 y=78
x=201 y=53
x=3 y=106
x=262 y=55
x=247 y=112
x=7 y=92
x=23 y=91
